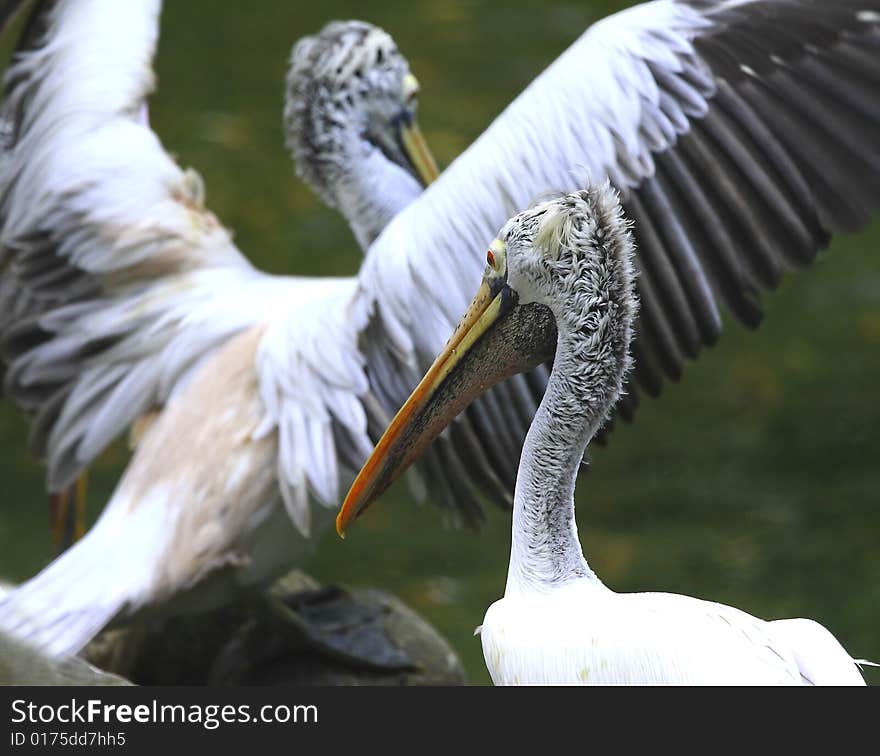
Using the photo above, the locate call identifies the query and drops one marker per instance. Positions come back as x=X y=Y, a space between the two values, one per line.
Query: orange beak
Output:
x=495 y=339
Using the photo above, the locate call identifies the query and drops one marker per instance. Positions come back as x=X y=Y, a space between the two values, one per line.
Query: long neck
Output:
x=545 y=549
x=371 y=189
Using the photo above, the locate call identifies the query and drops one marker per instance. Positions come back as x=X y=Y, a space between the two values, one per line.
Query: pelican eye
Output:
x=495 y=256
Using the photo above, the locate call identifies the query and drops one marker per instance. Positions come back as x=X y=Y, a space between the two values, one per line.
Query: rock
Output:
x=22 y=665
x=297 y=634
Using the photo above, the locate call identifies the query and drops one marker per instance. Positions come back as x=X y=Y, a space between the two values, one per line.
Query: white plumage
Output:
x=586 y=634
x=736 y=162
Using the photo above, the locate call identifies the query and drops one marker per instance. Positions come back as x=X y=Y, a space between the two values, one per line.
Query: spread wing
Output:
x=740 y=134
x=117 y=279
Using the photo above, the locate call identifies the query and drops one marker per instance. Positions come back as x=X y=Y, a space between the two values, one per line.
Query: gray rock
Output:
x=22 y=665
x=297 y=634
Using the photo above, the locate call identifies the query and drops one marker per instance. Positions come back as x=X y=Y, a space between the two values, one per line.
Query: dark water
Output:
x=752 y=482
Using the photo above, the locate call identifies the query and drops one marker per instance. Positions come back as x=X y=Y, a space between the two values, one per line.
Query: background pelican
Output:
x=755 y=396
x=570 y=261
x=124 y=297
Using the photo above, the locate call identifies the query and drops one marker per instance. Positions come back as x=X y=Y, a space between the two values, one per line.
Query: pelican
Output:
x=126 y=303
x=736 y=132
x=570 y=261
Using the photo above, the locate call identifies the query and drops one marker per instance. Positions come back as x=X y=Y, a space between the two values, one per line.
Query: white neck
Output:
x=545 y=549
x=371 y=190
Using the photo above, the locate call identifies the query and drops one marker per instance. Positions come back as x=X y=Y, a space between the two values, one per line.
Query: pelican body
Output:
x=572 y=257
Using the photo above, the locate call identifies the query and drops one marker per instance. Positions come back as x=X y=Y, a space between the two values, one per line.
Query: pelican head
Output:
x=350 y=96
x=563 y=268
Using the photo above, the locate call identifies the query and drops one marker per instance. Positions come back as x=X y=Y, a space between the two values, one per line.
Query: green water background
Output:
x=752 y=482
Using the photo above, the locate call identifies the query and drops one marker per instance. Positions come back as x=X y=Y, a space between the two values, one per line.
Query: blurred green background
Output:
x=751 y=482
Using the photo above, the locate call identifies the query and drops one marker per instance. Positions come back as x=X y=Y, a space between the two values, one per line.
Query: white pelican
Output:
x=697 y=112
x=125 y=302
x=571 y=259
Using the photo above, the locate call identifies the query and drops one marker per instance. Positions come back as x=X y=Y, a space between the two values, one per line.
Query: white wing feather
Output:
x=732 y=159
x=311 y=381
x=120 y=284
x=561 y=131
x=88 y=191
